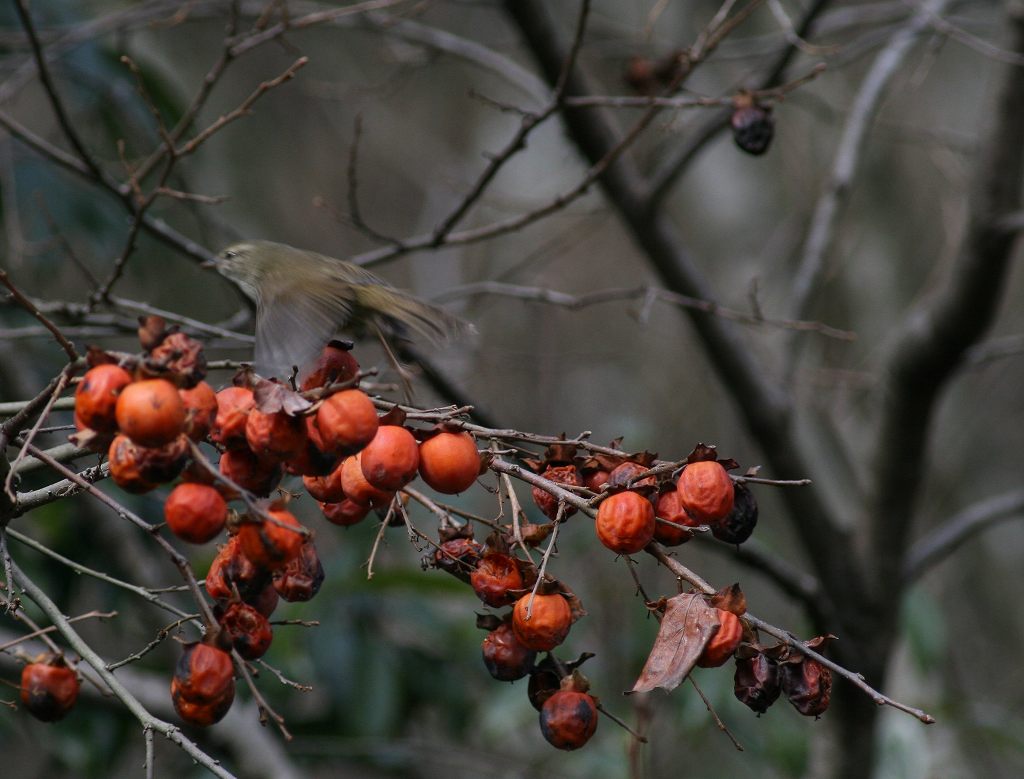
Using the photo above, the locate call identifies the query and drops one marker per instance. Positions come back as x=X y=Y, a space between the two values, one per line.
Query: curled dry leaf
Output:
x=686 y=627
x=730 y=598
x=395 y=416
x=271 y=397
x=704 y=451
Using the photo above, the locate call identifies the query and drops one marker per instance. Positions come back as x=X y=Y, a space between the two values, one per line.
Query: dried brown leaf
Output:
x=730 y=598
x=686 y=627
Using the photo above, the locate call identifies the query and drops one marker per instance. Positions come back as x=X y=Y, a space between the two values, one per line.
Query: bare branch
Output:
x=940 y=543
x=931 y=342
x=855 y=132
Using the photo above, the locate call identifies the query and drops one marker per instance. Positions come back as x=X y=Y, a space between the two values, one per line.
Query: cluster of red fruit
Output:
x=639 y=509
x=540 y=619
x=148 y=413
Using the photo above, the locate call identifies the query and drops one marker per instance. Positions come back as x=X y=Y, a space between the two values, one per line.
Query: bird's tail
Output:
x=397 y=307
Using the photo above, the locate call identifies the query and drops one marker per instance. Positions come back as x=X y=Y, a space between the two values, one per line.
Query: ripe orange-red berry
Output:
x=150 y=412
x=271 y=545
x=723 y=644
x=96 y=397
x=347 y=422
x=548 y=622
x=670 y=507
x=449 y=462
x=706 y=491
x=625 y=522
x=358 y=489
x=391 y=459
x=195 y=512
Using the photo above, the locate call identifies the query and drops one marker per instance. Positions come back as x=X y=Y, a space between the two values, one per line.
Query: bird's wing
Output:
x=293 y=326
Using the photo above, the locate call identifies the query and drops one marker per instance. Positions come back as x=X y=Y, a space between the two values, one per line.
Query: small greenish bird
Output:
x=303 y=299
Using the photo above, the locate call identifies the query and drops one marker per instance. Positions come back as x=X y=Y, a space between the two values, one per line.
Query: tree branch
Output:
x=766 y=411
x=938 y=544
x=934 y=337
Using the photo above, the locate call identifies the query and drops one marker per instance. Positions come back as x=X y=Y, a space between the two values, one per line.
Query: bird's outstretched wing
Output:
x=292 y=327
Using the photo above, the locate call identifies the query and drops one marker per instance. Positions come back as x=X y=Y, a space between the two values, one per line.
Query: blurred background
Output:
x=399 y=689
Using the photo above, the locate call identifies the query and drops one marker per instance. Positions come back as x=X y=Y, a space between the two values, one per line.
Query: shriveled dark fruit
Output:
x=231 y=570
x=625 y=522
x=723 y=643
x=548 y=503
x=311 y=461
x=344 y=513
x=808 y=686
x=301 y=578
x=738 y=526
x=275 y=437
x=458 y=556
x=200 y=410
x=753 y=128
x=233 y=407
x=250 y=472
x=272 y=545
x=150 y=412
x=568 y=719
x=181 y=355
x=327 y=488
x=249 y=631
x=195 y=512
x=265 y=601
x=595 y=479
x=543 y=623
x=756 y=683
x=49 y=688
x=204 y=673
x=624 y=476
x=96 y=397
x=670 y=507
x=544 y=682
x=505 y=658
x=335 y=365
x=139 y=469
x=496 y=579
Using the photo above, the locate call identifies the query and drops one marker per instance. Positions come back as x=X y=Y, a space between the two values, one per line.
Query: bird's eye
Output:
x=229 y=254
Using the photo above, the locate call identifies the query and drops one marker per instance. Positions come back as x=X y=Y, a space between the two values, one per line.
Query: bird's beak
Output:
x=211 y=263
